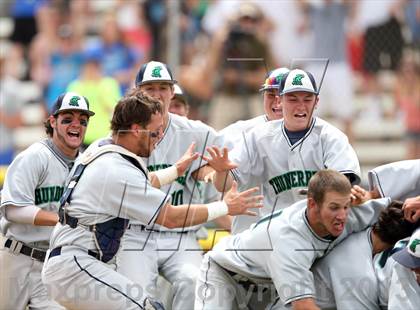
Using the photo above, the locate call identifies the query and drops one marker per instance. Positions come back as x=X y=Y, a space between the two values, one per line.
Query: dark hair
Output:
x=48 y=129
x=135 y=107
x=327 y=180
x=392 y=226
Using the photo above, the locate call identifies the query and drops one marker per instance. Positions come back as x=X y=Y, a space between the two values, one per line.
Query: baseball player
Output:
x=282 y=247
x=82 y=257
x=404 y=290
x=173 y=253
x=343 y=285
x=29 y=203
x=282 y=155
x=179 y=104
x=234 y=133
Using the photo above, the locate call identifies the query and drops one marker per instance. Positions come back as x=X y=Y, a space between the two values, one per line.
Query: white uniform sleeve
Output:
x=250 y=165
x=404 y=291
x=339 y=154
x=360 y=217
x=289 y=267
x=113 y=186
x=22 y=177
x=387 y=179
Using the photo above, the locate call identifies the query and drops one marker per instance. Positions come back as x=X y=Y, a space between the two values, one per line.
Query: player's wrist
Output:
x=217 y=209
x=167 y=175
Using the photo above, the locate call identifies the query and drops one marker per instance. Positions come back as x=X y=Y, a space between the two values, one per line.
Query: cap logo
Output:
x=279 y=78
x=414 y=244
x=156 y=72
x=297 y=80
x=74 y=101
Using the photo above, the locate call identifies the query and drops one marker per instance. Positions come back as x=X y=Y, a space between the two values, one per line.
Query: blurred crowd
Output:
x=226 y=49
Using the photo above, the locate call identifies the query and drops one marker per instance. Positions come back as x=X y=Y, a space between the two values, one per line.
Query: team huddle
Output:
x=95 y=230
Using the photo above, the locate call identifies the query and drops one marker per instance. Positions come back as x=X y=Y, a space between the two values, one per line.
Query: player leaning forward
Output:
x=282 y=155
x=29 y=203
x=109 y=187
x=282 y=247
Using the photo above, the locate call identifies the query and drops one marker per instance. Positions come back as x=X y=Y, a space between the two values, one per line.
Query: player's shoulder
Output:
x=267 y=130
x=37 y=151
x=328 y=131
x=183 y=123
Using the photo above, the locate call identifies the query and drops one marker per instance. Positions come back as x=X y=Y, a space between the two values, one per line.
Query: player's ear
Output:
x=53 y=121
x=316 y=102
x=311 y=203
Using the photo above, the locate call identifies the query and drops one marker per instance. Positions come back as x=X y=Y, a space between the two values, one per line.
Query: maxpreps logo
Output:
x=291 y=179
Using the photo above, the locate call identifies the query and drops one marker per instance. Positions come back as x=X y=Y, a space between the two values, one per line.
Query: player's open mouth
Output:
x=75 y=134
x=300 y=115
x=339 y=226
x=276 y=110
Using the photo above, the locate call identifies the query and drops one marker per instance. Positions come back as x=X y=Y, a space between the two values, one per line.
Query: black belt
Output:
x=39 y=255
x=245 y=283
x=144 y=228
x=57 y=251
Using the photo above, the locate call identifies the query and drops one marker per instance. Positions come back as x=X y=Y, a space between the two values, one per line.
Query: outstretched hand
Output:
x=219 y=160
x=185 y=161
x=240 y=202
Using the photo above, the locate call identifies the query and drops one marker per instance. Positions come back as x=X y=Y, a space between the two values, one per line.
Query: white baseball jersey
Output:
x=345 y=278
x=109 y=187
x=399 y=180
x=283 y=247
x=234 y=134
x=179 y=134
x=267 y=157
x=404 y=290
x=36 y=177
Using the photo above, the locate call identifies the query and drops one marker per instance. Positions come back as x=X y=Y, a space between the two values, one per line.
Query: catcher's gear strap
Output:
x=107 y=235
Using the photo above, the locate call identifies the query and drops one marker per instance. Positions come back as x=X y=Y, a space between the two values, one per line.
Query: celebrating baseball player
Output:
x=234 y=133
x=175 y=253
x=282 y=247
x=342 y=285
x=282 y=155
x=29 y=203
x=80 y=267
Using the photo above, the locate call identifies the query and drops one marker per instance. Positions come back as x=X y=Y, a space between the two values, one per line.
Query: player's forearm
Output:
x=222 y=181
x=31 y=215
x=305 y=304
x=182 y=216
x=46 y=218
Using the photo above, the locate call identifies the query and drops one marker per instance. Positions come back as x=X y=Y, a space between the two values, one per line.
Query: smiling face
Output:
x=69 y=131
x=330 y=217
x=298 y=109
x=272 y=106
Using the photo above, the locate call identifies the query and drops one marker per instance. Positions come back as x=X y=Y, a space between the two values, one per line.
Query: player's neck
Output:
x=126 y=142
x=377 y=244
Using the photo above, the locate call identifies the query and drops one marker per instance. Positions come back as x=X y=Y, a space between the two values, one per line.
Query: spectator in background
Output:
x=11 y=104
x=327 y=20
x=64 y=64
x=236 y=63
x=102 y=91
x=407 y=98
x=118 y=59
x=23 y=13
